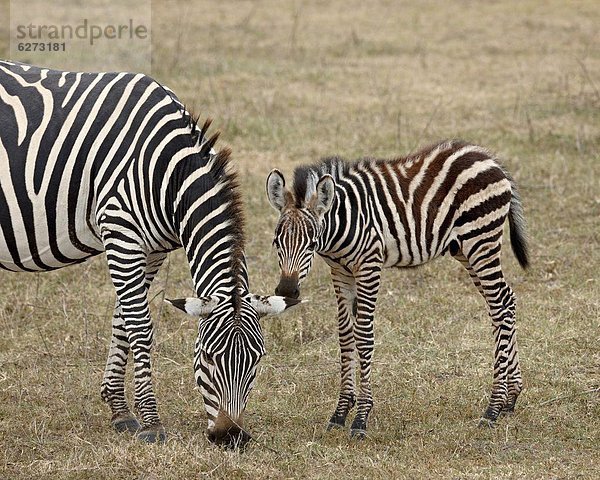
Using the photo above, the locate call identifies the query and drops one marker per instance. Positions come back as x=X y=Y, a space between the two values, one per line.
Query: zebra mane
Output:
x=191 y=120
x=307 y=176
x=223 y=173
x=192 y=123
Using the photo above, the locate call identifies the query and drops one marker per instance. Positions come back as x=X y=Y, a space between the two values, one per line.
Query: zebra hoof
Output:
x=358 y=433
x=125 y=423
x=153 y=434
x=486 y=423
x=489 y=417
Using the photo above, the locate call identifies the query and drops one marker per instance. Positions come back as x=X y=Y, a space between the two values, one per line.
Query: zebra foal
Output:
x=93 y=162
x=361 y=217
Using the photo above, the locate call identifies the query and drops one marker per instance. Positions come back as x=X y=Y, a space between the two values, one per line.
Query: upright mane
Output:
x=307 y=176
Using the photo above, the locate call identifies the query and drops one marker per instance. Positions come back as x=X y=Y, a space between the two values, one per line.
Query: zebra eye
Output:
x=275 y=244
x=209 y=360
x=313 y=245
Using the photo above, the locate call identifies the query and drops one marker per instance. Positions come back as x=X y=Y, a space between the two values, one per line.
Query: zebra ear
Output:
x=278 y=195
x=196 y=307
x=272 y=305
x=322 y=199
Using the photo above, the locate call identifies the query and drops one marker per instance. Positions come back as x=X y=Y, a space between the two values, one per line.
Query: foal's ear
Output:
x=196 y=307
x=272 y=305
x=322 y=200
x=278 y=195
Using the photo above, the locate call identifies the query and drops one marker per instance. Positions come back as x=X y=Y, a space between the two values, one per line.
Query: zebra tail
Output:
x=516 y=222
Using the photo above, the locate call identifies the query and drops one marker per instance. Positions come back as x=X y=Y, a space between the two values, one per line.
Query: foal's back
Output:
x=424 y=203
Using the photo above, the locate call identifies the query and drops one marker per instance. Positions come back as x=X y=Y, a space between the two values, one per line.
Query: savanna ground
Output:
x=289 y=82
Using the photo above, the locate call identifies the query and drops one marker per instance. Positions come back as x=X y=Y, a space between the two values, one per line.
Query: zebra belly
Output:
x=43 y=240
x=398 y=254
x=389 y=262
x=45 y=258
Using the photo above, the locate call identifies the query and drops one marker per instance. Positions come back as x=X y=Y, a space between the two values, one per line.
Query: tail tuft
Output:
x=516 y=222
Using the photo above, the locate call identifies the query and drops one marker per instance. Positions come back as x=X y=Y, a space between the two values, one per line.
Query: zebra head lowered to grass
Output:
x=93 y=162
x=361 y=217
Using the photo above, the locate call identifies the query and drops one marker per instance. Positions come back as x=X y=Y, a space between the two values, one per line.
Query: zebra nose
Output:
x=228 y=434
x=288 y=287
x=229 y=439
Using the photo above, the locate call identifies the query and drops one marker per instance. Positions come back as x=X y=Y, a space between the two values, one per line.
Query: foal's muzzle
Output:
x=288 y=286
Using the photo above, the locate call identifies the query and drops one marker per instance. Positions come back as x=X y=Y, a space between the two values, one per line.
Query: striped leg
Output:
x=345 y=291
x=128 y=264
x=367 y=288
x=113 y=385
x=484 y=267
x=155 y=261
x=465 y=263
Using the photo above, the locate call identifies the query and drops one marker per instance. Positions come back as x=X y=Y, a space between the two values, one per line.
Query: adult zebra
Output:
x=93 y=162
x=451 y=197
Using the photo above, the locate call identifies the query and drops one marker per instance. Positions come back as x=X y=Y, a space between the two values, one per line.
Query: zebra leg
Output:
x=153 y=264
x=345 y=291
x=113 y=384
x=513 y=379
x=507 y=383
x=127 y=264
x=367 y=288
x=465 y=263
x=155 y=261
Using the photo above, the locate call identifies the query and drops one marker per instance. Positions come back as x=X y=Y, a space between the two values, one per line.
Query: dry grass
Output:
x=289 y=82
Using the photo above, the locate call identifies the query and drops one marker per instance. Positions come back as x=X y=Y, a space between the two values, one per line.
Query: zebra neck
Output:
x=340 y=215
x=329 y=229
x=216 y=270
x=216 y=259
x=209 y=222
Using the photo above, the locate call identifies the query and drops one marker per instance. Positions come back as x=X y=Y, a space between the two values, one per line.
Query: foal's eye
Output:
x=275 y=244
x=209 y=360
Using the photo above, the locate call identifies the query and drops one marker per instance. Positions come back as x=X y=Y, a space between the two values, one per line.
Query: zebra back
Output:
x=419 y=204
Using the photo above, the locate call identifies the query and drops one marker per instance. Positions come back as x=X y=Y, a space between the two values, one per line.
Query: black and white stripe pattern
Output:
x=362 y=217
x=93 y=162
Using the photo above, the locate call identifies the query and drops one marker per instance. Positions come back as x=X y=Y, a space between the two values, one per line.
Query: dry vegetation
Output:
x=288 y=82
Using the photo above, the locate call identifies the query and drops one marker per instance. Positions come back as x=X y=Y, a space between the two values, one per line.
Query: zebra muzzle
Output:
x=228 y=433
x=288 y=286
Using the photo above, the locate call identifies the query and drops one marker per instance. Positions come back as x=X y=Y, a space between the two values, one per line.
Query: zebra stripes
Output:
x=93 y=162
x=452 y=197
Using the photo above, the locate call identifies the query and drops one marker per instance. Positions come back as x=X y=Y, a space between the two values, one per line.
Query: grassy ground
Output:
x=288 y=82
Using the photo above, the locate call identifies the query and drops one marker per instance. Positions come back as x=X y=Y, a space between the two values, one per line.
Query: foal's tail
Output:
x=516 y=222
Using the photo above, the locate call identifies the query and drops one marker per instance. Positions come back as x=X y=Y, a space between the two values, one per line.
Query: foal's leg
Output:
x=345 y=291
x=367 y=288
x=484 y=267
